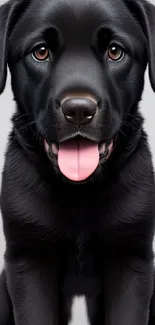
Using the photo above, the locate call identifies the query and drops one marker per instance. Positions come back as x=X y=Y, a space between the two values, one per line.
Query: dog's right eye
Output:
x=41 y=53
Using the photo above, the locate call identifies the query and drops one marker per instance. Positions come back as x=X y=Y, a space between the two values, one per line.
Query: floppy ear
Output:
x=7 y=11
x=148 y=11
x=5 y=16
x=145 y=14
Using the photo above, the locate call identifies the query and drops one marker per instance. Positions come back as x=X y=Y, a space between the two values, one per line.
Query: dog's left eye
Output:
x=115 y=52
x=41 y=53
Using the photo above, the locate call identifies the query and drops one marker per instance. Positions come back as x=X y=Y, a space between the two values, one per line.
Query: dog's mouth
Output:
x=78 y=158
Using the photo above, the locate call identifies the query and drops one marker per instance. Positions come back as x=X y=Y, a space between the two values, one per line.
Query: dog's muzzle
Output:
x=79 y=157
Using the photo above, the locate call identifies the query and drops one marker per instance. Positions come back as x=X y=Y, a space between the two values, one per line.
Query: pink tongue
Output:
x=78 y=158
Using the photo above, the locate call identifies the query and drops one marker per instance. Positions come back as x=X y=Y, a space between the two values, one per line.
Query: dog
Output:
x=78 y=191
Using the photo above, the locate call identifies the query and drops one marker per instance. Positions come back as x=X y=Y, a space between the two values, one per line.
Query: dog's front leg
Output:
x=127 y=292
x=6 y=311
x=34 y=292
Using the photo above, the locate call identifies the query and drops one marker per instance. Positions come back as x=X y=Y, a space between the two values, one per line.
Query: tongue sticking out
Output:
x=78 y=158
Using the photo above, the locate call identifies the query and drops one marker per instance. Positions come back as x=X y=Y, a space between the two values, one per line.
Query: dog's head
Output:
x=77 y=71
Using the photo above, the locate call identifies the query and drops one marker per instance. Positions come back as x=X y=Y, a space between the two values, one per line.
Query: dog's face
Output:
x=77 y=70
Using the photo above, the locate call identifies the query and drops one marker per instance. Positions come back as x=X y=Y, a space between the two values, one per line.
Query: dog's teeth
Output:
x=105 y=154
x=54 y=148
x=50 y=151
x=102 y=149
x=46 y=146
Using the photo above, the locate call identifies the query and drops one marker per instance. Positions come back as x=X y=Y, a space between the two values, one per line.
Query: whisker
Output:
x=25 y=126
x=22 y=115
x=36 y=133
x=137 y=118
x=130 y=125
x=123 y=133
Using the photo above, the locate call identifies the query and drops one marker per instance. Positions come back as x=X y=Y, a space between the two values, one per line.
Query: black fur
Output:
x=93 y=238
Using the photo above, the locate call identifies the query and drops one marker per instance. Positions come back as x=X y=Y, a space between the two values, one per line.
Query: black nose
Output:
x=79 y=110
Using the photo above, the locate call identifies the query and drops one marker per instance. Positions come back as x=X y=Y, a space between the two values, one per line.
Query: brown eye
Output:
x=115 y=53
x=41 y=53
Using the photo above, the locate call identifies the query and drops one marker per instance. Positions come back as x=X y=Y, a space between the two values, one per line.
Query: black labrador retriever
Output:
x=78 y=189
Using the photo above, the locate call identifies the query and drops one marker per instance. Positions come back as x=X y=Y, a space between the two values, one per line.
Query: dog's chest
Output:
x=81 y=274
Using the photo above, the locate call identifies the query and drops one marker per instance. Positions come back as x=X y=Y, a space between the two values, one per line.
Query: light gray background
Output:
x=6 y=110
